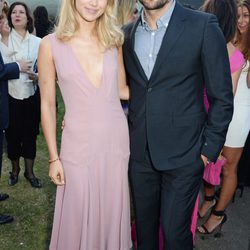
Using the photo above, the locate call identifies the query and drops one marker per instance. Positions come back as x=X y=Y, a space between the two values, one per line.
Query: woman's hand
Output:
x=25 y=65
x=32 y=76
x=56 y=173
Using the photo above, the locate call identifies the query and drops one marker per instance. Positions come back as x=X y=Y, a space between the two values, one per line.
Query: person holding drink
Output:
x=24 y=100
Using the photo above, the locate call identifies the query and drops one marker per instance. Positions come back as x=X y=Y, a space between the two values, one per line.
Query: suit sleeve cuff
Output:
x=212 y=152
x=19 y=66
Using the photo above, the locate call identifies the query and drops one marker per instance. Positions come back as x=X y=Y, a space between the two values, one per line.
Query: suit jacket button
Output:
x=149 y=89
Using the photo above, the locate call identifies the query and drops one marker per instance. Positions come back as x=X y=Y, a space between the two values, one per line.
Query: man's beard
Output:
x=154 y=4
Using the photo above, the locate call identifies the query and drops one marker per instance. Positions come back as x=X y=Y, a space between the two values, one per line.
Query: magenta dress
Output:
x=92 y=210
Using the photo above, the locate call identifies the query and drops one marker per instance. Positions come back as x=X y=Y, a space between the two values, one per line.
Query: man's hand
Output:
x=25 y=65
x=204 y=158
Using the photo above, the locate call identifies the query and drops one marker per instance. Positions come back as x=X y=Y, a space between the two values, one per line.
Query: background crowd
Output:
x=21 y=31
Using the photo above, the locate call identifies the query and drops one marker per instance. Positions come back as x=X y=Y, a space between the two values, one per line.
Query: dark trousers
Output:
x=166 y=197
x=24 y=117
x=1 y=150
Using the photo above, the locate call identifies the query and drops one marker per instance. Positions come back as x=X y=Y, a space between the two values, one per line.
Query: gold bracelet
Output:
x=51 y=161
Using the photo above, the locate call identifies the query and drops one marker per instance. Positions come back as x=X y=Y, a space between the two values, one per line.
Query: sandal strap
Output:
x=209 y=198
x=218 y=213
x=205 y=230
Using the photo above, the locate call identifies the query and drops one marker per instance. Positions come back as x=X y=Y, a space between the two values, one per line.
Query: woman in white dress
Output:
x=237 y=132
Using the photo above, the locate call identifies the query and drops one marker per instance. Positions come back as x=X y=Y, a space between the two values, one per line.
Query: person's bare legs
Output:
x=209 y=199
x=229 y=184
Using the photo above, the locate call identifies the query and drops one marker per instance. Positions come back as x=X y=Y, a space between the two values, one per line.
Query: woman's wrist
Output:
x=54 y=160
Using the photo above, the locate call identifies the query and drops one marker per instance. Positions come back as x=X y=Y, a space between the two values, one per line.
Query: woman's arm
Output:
x=47 y=84
x=123 y=87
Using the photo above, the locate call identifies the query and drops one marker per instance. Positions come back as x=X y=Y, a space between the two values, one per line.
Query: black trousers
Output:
x=24 y=118
x=166 y=197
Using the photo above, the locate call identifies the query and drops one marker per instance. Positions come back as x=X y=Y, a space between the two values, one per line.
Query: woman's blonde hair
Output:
x=108 y=30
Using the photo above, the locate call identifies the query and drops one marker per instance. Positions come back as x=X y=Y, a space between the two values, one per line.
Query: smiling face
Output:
x=19 y=17
x=243 y=19
x=90 y=10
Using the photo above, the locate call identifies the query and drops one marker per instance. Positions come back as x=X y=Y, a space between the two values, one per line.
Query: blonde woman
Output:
x=92 y=201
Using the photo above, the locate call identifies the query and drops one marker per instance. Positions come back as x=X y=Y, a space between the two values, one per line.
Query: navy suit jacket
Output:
x=7 y=72
x=167 y=111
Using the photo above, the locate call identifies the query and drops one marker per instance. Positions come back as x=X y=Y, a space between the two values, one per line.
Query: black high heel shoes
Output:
x=216 y=232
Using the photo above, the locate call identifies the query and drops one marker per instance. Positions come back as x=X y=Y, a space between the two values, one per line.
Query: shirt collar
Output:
x=19 y=37
x=162 y=21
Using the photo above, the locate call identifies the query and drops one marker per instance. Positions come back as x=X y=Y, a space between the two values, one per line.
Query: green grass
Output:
x=32 y=208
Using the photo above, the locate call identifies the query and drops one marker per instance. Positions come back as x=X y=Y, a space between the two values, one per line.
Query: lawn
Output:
x=32 y=208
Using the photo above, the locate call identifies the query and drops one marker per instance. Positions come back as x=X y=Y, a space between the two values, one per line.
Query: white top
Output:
x=22 y=48
x=242 y=95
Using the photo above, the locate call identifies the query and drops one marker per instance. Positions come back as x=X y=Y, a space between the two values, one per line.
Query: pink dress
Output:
x=92 y=210
x=236 y=61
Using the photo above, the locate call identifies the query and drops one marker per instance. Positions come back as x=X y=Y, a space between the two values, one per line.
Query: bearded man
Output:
x=170 y=54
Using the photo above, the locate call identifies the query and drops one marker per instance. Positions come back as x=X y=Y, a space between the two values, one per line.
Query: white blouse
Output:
x=22 y=48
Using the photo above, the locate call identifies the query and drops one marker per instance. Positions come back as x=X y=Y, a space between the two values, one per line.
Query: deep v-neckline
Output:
x=82 y=69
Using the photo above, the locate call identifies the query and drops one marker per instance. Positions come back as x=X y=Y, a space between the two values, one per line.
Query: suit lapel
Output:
x=131 y=46
x=174 y=30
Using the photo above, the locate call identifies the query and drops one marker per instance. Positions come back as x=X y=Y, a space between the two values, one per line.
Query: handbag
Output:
x=213 y=170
